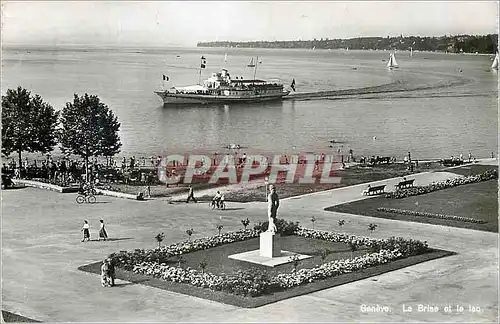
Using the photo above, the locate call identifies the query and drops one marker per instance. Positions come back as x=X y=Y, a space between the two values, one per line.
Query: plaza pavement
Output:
x=41 y=252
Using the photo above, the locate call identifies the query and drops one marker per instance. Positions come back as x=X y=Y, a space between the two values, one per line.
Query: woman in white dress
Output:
x=86 y=231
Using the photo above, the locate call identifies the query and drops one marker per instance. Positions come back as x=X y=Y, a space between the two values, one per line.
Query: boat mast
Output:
x=255 y=69
x=203 y=65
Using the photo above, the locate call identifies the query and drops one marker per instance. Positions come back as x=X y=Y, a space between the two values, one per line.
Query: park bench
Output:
x=405 y=184
x=375 y=190
x=383 y=159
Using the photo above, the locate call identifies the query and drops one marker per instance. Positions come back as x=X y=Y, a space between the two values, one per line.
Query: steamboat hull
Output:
x=173 y=98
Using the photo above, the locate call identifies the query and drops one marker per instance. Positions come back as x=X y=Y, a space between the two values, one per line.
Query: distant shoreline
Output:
x=138 y=49
x=484 y=44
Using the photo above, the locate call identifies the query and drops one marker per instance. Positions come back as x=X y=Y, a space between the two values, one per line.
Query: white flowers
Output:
x=431 y=215
x=449 y=183
x=254 y=283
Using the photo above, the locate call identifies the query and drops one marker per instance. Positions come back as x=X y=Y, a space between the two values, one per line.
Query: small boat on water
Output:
x=392 y=61
x=233 y=146
x=494 y=65
x=251 y=64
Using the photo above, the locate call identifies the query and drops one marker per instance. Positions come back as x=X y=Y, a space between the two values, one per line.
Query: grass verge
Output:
x=471 y=169
x=354 y=175
x=9 y=317
x=476 y=200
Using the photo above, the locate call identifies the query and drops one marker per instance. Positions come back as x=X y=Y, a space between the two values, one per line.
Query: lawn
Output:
x=477 y=200
x=9 y=317
x=354 y=175
x=219 y=263
x=471 y=169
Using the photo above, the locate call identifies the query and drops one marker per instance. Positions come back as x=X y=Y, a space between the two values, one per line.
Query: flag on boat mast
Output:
x=165 y=78
x=293 y=85
x=203 y=62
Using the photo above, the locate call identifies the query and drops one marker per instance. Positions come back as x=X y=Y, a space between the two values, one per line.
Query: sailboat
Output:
x=495 y=62
x=251 y=64
x=225 y=58
x=392 y=61
x=411 y=51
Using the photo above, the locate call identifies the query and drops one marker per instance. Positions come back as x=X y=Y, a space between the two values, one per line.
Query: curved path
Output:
x=42 y=250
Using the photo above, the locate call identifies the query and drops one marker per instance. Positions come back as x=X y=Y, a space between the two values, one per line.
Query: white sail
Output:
x=251 y=64
x=225 y=58
x=392 y=61
x=495 y=63
x=389 y=62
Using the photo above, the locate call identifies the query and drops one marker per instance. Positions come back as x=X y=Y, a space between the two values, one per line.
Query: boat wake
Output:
x=398 y=86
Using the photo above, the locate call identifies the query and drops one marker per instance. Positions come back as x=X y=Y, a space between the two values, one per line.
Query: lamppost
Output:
x=266 y=181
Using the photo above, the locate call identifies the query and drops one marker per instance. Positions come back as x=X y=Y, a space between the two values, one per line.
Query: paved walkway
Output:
x=42 y=249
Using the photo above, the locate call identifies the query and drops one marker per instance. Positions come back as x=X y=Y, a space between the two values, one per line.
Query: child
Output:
x=86 y=231
x=105 y=281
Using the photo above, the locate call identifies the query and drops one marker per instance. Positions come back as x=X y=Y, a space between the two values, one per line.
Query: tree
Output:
x=159 y=238
x=110 y=144
x=189 y=232
x=89 y=128
x=245 y=223
x=28 y=123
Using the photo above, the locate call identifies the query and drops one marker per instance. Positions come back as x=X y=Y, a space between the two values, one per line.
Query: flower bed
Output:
x=256 y=283
x=127 y=260
x=449 y=183
x=431 y=215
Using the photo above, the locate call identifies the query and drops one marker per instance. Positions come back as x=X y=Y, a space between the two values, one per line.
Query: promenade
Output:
x=42 y=250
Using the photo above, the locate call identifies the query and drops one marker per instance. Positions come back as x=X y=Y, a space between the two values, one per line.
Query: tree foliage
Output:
x=28 y=123
x=89 y=128
x=455 y=44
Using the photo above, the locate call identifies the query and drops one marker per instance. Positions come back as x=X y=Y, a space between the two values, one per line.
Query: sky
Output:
x=157 y=23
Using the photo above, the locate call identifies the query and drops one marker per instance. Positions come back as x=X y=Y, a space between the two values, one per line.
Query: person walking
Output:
x=102 y=231
x=111 y=271
x=86 y=230
x=191 y=195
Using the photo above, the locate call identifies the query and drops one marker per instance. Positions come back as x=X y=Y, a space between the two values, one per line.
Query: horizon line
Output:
x=4 y=44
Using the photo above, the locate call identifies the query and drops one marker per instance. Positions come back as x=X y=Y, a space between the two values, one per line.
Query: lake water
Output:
x=438 y=111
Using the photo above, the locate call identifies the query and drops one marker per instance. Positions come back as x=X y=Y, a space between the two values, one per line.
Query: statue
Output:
x=273 y=204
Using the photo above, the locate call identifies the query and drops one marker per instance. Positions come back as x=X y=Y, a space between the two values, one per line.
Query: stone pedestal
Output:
x=270 y=245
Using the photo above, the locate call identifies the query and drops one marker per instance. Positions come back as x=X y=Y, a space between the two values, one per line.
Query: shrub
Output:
x=245 y=222
x=189 y=232
x=284 y=228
